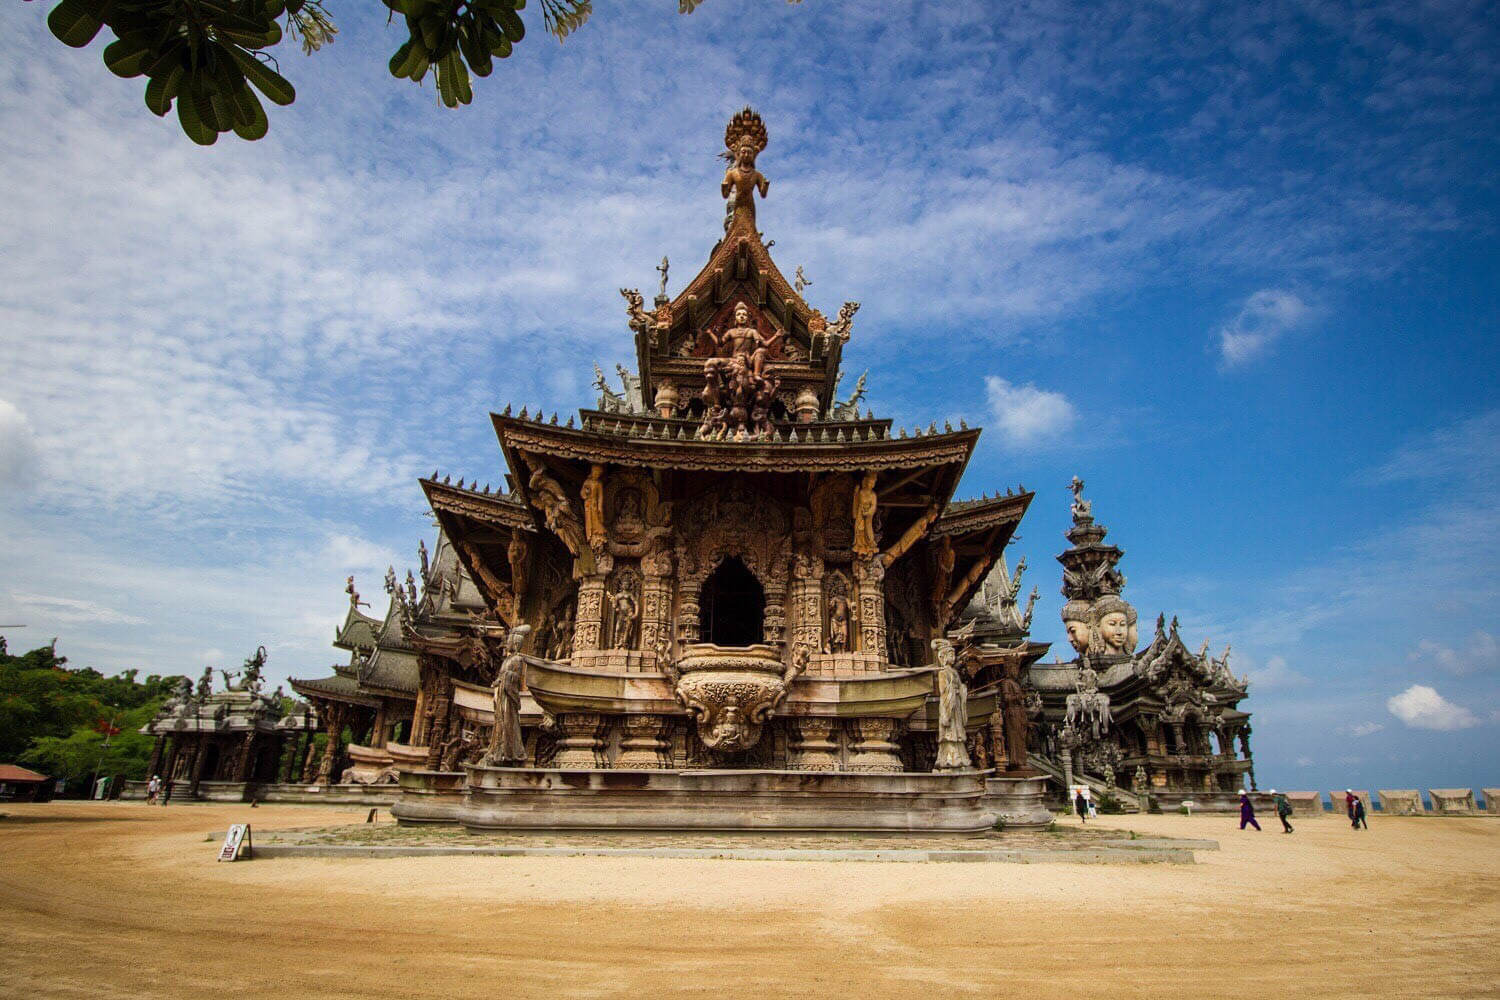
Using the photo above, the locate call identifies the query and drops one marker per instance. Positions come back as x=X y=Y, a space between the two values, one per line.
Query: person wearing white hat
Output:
x=1349 y=799
x=1247 y=812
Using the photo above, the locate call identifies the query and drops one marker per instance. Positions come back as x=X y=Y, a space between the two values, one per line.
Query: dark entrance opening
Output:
x=732 y=606
x=210 y=770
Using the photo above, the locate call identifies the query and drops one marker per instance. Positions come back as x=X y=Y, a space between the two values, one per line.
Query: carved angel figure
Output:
x=953 y=698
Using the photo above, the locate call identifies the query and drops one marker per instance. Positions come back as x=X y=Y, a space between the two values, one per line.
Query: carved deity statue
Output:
x=625 y=613
x=1115 y=622
x=561 y=645
x=1082 y=510
x=745 y=341
x=506 y=744
x=865 y=502
x=838 y=625
x=744 y=139
x=953 y=699
x=516 y=551
x=1016 y=715
x=205 y=683
x=592 y=494
x=662 y=269
x=354 y=601
x=1077 y=616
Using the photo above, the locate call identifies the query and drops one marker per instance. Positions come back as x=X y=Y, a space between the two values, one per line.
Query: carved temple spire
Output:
x=1097 y=619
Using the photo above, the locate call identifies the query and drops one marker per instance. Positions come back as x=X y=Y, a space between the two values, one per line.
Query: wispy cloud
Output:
x=1360 y=729
x=1266 y=317
x=1480 y=654
x=1277 y=673
x=1026 y=415
x=70 y=611
x=17 y=448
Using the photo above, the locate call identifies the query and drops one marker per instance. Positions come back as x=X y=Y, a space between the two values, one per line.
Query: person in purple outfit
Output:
x=1247 y=812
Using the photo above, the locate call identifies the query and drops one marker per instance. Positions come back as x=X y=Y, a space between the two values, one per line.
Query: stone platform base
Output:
x=429 y=797
x=1213 y=802
x=549 y=799
x=1017 y=798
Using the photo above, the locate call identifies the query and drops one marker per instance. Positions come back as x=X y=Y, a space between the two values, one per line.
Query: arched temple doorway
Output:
x=732 y=606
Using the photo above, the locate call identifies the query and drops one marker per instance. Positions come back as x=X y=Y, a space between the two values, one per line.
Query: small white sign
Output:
x=237 y=837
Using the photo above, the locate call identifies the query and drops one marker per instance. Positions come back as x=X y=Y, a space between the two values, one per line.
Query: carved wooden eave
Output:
x=980 y=530
x=648 y=451
x=480 y=525
x=357 y=632
x=739 y=266
x=335 y=688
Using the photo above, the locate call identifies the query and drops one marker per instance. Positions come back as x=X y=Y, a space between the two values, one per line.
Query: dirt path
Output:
x=121 y=900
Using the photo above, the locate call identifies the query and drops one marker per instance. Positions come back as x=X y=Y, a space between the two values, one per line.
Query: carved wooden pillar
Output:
x=689 y=627
x=1177 y=739
x=807 y=609
x=874 y=748
x=335 y=717
x=870 y=598
x=198 y=758
x=775 y=617
x=643 y=742
x=656 y=615
x=289 y=766
x=813 y=747
x=378 y=727
x=153 y=766
x=305 y=767
x=588 y=631
x=581 y=745
x=437 y=732
x=243 y=758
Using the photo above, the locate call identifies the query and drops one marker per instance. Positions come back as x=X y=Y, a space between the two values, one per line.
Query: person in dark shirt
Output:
x=1247 y=812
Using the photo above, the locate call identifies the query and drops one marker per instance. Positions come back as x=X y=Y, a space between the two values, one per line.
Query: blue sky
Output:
x=1235 y=268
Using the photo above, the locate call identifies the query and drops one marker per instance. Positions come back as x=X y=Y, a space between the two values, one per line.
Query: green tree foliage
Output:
x=52 y=717
x=211 y=57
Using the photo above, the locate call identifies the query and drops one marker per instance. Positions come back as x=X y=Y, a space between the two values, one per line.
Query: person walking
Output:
x=1247 y=812
x=1081 y=807
x=153 y=789
x=1349 y=799
x=1359 y=814
x=1283 y=810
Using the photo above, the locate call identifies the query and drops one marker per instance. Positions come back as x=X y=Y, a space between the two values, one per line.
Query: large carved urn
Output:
x=731 y=691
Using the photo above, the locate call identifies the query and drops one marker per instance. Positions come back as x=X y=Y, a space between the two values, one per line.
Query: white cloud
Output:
x=71 y=610
x=1277 y=673
x=18 y=453
x=1025 y=414
x=1421 y=707
x=1360 y=729
x=1264 y=318
x=1479 y=655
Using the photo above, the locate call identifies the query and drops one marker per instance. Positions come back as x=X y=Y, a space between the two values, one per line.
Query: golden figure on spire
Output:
x=744 y=138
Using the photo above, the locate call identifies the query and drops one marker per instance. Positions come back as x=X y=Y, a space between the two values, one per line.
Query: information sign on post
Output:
x=236 y=841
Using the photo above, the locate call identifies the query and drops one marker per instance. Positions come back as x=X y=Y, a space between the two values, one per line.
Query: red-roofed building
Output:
x=20 y=785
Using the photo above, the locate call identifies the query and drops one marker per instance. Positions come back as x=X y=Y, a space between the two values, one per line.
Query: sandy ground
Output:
x=121 y=900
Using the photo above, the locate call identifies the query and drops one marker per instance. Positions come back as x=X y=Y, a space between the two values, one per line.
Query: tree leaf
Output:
x=127 y=56
x=161 y=90
x=266 y=79
x=187 y=117
x=257 y=124
x=76 y=22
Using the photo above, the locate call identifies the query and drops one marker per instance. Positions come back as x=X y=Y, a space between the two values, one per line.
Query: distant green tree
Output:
x=54 y=718
x=81 y=754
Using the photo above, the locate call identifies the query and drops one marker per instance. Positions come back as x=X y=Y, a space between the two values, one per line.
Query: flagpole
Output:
x=104 y=749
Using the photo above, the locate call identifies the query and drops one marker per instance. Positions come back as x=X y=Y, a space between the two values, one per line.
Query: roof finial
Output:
x=744 y=138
